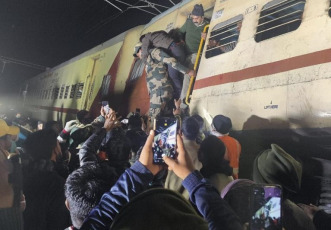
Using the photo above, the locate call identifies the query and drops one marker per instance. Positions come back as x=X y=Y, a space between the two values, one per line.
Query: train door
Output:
x=136 y=90
x=90 y=83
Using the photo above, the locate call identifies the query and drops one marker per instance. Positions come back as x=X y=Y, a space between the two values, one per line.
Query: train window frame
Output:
x=263 y=32
x=227 y=30
x=73 y=91
x=66 y=92
x=137 y=70
x=79 y=90
x=61 y=91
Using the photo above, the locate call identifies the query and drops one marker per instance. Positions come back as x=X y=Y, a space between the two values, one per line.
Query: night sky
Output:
x=49 y=32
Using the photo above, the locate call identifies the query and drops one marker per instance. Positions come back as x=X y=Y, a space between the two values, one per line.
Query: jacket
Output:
x=137 y=179
x=157 y=39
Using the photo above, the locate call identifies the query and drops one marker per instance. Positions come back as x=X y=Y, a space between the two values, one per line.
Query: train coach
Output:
x=265 y=64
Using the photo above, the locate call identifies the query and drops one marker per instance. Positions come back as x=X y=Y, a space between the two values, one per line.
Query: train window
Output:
x=66 y=92
x=105 y=85
x=137 y=70
x=79 y=93
x=330 y=9
x=61 y=92
x=279 y=17
x=73 y=91
x=56 y=93
x=224 y=37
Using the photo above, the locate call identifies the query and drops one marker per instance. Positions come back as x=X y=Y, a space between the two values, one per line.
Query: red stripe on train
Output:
x=298 y=62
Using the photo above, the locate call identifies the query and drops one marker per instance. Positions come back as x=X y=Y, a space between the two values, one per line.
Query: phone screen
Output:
x=165 y=139
x=105 y=106
x=266 y=206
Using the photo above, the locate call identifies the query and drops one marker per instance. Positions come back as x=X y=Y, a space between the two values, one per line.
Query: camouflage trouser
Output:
x=161 y=103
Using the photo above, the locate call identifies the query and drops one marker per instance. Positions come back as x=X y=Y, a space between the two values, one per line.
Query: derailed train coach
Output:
x=265 y=64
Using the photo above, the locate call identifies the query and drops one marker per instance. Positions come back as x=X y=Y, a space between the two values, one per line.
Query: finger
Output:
x=149 y=142
x=180 y=148
x=170 y=162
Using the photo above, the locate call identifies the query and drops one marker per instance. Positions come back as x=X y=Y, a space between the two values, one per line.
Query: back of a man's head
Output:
x=134 y=121
x=84 y=188
x=118 y=147
x=190 y=128
x=40 y=145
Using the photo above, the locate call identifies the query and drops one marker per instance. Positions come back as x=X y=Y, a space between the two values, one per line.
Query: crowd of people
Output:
x=99 y=173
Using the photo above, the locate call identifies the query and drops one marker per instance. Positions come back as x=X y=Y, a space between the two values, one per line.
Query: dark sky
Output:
x=49 y=32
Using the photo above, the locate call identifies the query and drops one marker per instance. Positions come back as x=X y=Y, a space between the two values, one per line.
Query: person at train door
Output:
x=161 y=39
x=158 y=83
x=193 y=33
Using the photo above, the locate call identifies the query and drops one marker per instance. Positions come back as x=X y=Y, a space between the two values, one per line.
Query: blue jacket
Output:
x=136 y=179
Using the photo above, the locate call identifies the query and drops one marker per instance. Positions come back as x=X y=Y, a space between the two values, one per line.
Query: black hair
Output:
x=40 y=145
x=199 y=119
x=84 y=188
x=81 y=117
x=134 y=121
x=211 y=155
x=190 y=128
x=176 y=35
x=118 y=147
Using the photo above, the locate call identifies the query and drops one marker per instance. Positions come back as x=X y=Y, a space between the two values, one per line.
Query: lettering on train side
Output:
x=251 y=9
x=271 y=106
x=218 y=14
x=170 y=26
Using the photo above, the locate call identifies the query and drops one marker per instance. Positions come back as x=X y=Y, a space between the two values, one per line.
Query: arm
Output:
x=208 y=201
x=132 y=182
x=146 y=42
x=212 y=207
x=89 y=150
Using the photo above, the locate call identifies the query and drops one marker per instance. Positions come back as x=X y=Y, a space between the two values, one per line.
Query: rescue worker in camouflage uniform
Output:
x=158 y=83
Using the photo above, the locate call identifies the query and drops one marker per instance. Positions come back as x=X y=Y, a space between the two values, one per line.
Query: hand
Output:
x=183 y=166
x=70 y=125
x=177 y=110
x=102 y=111
x=191 y=73
x=111 y=121
x=22 y=203
x=203 y=35
x=146 y=156
x=310 y=210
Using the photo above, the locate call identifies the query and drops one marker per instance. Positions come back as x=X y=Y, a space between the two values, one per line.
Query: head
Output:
x=222 y=124
x=42 y=145
x=54 y=125
x=197 y=14
x=176 y=35
x=163 y=207
x=6 y=133
x=84 y=188
x=199 y=119
x=134 y=121
x=237 y=195
x=137 y=50
x=211 y=155
x=84 y=117
x=190 y=128
x=275 y=166
x=118 y=147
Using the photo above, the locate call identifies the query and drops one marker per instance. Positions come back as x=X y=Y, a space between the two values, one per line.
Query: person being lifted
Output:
x=158 y=83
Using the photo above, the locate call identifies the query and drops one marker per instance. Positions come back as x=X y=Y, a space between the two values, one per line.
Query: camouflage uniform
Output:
x=158 y=83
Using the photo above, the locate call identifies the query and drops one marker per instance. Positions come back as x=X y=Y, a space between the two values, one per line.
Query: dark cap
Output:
x=222 y=124
x=198 y=10
x=275 y=166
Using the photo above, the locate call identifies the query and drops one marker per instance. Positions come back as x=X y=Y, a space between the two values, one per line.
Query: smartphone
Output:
x=265 y=207
x=106 y=107
x=165 y=139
